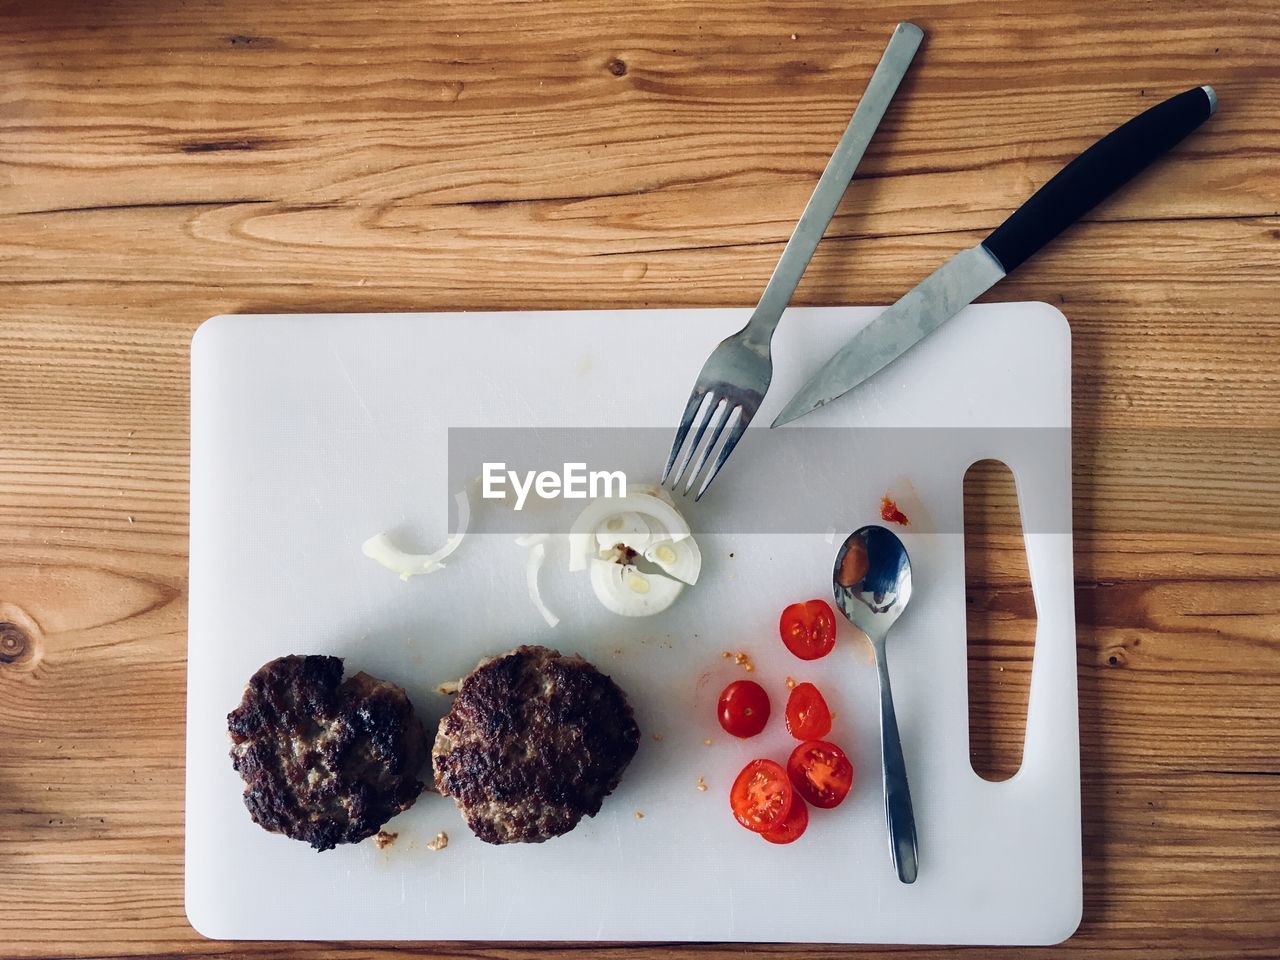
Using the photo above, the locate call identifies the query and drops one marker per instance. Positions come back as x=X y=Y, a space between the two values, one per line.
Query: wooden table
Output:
x=162 y=162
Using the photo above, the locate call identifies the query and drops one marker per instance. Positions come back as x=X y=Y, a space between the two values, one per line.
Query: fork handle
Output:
x=834 y=181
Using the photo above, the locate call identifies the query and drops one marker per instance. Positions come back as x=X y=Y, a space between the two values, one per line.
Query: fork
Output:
x=736 y=376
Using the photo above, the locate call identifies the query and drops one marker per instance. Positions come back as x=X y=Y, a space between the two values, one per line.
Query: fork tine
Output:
x=682 y=431
x=710 y=402
x=731 y=441
x=723 y=416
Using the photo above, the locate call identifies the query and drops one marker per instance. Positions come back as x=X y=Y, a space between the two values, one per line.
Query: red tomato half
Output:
x=743 y=708
x=761 y=796
x=820 y=772
x=794 y=824
x=808 y=629
x=808 y=717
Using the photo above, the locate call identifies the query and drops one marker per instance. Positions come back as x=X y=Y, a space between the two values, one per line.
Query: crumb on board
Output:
x=440 y=842
x=702 y=785
x=384 y=839
x=743 y=660
x=727 y=654
x=657 y=737
x=449 y=688
x=639 y=815
x=794 y=37
x=791 y=683
x=707 y=742
x=731 y=556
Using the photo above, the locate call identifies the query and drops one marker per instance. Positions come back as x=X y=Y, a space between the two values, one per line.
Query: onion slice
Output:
x=627 y=528
x=652 y=490
x=380 y=548
x=582 y=535
x=538 y=553
x=628 y=592
x=676 y=558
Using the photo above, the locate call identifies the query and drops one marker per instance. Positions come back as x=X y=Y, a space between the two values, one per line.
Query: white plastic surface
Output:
x=310 y=433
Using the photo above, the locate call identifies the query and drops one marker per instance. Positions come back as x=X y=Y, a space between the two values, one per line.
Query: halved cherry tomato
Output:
x=761 y=796
x=794 y=824
x=820 y=772
x=808 y=717
x=743 y=708
x=808 y=629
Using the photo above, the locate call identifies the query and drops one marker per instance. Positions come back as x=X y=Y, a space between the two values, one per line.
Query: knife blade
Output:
x=1073 y=192
x=929 y=304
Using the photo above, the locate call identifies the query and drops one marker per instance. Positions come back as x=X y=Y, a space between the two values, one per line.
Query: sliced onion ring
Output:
x=652 y=490
x=628 y=592
x=582 y=535
x=380 y=548
x=628 y=528
x=538 y=553
x=676 y=558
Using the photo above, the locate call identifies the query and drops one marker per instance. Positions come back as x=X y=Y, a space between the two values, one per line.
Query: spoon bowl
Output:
x=872 y=585
x=872 y=579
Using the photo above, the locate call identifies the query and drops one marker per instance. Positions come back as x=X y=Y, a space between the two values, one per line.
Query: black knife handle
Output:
x=1089 y=178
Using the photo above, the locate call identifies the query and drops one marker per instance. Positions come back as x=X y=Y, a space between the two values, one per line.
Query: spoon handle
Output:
x=897 y=794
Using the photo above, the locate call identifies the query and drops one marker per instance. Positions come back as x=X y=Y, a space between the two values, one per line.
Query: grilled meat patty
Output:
x=533 y=743
x=323 y=759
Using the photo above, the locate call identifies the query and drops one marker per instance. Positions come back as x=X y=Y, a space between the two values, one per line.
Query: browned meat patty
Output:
x=534 y=742
x=325 y=760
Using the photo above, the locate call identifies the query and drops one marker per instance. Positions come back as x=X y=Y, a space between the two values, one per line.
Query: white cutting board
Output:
x=310 y=433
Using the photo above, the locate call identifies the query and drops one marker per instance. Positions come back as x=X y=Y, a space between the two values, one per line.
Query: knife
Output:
x=1074 y=191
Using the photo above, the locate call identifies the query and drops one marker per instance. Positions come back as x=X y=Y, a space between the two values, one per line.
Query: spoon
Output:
x=872 y=583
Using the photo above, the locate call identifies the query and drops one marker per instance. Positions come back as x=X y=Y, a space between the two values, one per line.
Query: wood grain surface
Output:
x=163 y=162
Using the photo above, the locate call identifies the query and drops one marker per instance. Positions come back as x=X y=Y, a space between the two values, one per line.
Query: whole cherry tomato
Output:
x=743 y=708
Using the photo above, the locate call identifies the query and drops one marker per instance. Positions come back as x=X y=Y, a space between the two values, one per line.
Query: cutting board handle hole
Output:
x=1000 y=620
